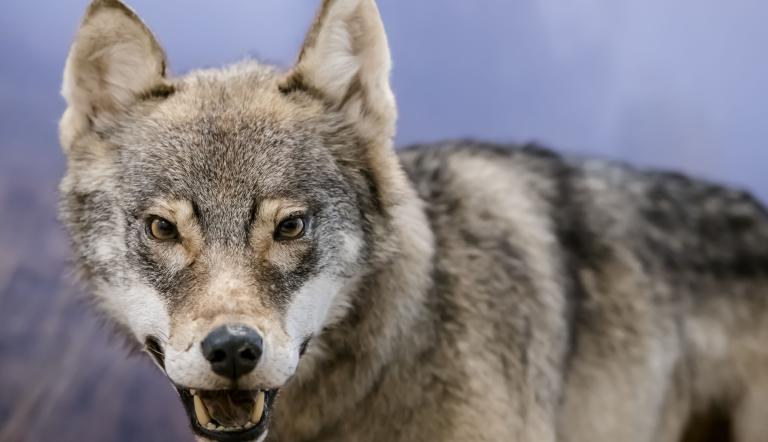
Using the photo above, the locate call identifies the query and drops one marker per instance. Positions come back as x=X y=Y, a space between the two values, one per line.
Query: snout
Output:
x=228 y=371
x=232 y=350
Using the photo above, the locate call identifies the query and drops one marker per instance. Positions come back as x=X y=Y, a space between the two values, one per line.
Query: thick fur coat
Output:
x=449 y=292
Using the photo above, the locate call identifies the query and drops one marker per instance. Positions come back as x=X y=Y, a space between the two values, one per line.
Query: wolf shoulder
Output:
x=673 y=224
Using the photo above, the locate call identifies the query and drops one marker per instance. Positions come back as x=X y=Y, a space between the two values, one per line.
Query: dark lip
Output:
x=250 y=434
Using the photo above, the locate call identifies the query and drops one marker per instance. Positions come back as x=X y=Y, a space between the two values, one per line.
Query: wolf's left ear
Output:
x=112 y=62
x=345 y=58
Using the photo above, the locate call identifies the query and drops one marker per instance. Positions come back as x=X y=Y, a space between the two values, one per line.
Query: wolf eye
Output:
x=162 y=229
x=290 y=228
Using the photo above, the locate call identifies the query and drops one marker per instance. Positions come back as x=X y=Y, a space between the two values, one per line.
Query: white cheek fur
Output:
x=321 y=300
x=310 y=306
x=138 y=307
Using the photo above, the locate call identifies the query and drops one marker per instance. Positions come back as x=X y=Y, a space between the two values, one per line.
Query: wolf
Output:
x=298 y=279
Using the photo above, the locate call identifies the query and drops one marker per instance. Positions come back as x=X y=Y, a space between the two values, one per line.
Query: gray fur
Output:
x=497 y=293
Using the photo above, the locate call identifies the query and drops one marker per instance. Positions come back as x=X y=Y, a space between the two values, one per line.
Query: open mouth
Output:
x=228 y=415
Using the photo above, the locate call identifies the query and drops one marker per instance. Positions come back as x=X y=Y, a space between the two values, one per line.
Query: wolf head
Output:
x=225 y=217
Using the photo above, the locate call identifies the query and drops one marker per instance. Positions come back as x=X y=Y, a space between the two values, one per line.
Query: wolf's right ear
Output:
x=112 y=62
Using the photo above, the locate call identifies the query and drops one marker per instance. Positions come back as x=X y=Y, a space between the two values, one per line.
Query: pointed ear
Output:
x=112 y=62
x=345 y=59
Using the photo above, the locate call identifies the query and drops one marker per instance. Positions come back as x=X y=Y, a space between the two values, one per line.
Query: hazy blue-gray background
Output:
x=671 y=83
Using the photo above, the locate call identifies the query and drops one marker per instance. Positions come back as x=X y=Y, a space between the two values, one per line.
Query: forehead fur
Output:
x=246 y=88
x=229 y=137
x=239 y=98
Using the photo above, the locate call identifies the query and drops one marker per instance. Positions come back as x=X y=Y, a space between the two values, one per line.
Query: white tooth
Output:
x=248 y=425
x=219 y=428
x=193 y=391
x=200 y=412
x=258 y=407
x=210 y=426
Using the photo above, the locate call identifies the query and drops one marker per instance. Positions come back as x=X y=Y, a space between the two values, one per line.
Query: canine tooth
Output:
x=200 y=412
x=258 y=407
x=193 y=391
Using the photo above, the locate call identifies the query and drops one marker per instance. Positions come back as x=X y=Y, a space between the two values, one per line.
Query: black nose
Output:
x=232 y=350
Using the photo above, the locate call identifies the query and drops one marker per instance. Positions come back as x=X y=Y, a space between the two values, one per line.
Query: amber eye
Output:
x=290 y=228
x=162 y=229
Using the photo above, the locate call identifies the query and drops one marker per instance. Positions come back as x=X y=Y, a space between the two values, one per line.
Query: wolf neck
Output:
x=389 y=314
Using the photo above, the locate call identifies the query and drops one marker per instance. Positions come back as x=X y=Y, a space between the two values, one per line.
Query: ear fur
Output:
x=345 y=59
x=112 y=62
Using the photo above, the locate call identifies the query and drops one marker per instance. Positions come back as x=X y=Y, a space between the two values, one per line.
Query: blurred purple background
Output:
x=671 y=83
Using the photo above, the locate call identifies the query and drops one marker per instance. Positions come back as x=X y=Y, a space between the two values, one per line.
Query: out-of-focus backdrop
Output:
x=679 y=84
